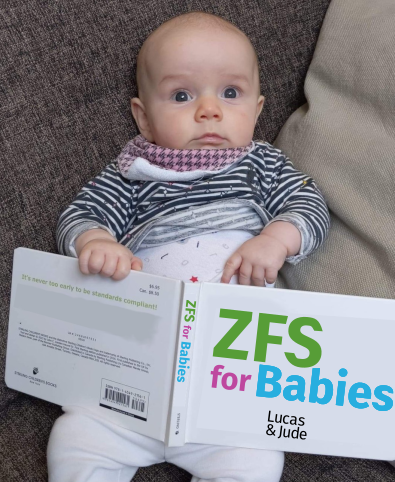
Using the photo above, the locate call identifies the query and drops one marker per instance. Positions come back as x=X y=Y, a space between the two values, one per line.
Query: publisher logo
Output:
x=35 y=370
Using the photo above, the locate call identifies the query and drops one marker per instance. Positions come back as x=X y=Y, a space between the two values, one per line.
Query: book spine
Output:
x=183 y=366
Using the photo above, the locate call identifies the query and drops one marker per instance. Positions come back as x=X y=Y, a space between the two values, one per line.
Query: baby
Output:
x=194 y=198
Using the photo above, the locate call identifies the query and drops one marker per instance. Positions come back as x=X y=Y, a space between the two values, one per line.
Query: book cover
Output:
x=91 y=341
x=206 y=362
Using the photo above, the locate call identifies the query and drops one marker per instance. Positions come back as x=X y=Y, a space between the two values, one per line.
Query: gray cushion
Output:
x=344 y=138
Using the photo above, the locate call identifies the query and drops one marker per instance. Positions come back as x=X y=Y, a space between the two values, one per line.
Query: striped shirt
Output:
x=258 y=189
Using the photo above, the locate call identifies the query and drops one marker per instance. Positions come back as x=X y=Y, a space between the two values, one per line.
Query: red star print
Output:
x=193 y=279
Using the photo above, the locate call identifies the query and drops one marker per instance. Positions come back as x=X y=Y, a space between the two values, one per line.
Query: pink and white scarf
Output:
x=179 y=160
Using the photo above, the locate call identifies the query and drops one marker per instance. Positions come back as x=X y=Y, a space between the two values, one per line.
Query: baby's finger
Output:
x=271 y=275
x=109 y=266
x=136 y=264
x=258 y=276
x=96 y=262
x=231 y=266
x=83 y=261
x=245 y=272
x=122 y=268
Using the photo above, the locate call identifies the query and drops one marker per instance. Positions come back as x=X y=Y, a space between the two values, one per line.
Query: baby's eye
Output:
x=181 y=96
x=230 y=93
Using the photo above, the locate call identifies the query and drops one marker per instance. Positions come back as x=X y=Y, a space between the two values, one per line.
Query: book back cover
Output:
x=90 y=341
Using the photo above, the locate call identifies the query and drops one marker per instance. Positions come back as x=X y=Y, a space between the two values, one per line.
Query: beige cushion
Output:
x=344 y=137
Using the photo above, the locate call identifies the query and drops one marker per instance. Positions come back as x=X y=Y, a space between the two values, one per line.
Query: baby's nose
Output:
x=209 y=108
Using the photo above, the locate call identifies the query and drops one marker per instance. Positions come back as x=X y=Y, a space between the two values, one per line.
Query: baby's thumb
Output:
x=136 y=264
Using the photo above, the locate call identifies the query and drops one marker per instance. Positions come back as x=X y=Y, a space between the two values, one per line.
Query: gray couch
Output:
x=67 y=75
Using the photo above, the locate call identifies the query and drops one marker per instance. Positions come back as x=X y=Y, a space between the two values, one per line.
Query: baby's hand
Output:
x=261 y=257
x=257 y=259
x=108 y=258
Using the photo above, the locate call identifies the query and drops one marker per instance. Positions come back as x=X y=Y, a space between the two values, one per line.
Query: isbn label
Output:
x=121 y=398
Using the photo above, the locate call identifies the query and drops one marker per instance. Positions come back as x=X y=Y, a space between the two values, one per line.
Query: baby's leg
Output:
x=227 y=464
x=84 y=447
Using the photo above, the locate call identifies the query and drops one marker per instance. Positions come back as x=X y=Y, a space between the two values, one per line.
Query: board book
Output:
x=206 y=362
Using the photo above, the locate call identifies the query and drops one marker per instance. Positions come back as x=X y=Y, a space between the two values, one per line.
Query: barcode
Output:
x=117 y=397
x=123 y=399
x=138 y=405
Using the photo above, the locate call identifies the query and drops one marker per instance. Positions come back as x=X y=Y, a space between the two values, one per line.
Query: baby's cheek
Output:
x=170 y=132
x=244 y=127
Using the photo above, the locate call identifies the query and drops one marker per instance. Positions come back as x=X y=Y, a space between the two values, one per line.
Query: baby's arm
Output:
x=91 y=226
x=299 y=226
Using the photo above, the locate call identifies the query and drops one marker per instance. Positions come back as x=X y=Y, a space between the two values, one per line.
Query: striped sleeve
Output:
x=103 y=203
x=294 y=197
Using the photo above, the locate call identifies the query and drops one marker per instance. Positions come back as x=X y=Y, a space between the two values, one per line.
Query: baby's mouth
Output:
x=211 y=138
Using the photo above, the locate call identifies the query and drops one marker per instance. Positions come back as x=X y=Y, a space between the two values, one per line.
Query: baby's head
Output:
x=197 y=74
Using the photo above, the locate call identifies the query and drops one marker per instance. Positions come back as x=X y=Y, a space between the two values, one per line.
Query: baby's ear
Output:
x=138 y=111
x=259 y=107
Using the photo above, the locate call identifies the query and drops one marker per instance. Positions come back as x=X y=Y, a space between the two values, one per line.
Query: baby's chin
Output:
x=201 y=144
x=194 y=147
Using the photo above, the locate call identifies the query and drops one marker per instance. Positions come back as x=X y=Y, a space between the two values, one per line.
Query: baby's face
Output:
x=199 y=83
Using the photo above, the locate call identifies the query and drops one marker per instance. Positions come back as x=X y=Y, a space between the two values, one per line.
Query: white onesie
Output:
x=196 y=259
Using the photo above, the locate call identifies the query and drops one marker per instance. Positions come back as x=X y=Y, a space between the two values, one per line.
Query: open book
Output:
x=204 y=362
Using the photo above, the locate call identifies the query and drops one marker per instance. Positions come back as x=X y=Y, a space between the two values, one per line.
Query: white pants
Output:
x=86 y=448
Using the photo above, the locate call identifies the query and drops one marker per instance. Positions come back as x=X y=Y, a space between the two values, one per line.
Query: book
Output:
x=204 y=362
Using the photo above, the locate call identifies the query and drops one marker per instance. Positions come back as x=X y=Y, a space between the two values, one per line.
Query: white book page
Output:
x=340 y=405
x=91 y=341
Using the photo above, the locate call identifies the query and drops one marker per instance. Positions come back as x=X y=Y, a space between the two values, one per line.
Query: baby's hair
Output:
x=194 y=19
